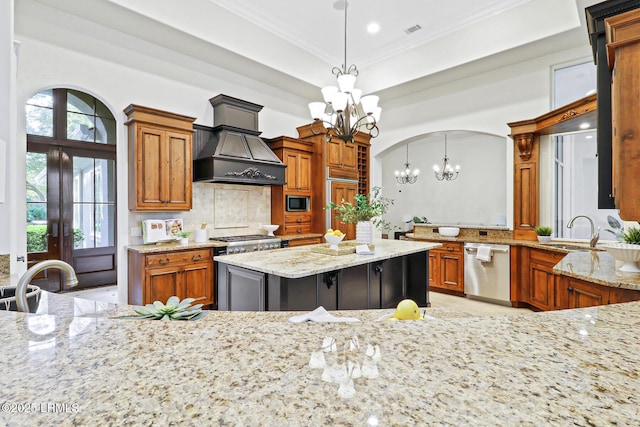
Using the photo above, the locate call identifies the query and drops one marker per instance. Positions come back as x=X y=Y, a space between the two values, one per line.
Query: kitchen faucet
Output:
x=21 y=287
x=594 y=236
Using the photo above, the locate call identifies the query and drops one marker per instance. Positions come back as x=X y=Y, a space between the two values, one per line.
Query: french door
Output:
x=71 y=203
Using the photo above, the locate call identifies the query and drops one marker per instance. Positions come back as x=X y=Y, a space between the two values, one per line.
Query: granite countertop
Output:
x=301 y=261
x=163 y=247
x=76 y=363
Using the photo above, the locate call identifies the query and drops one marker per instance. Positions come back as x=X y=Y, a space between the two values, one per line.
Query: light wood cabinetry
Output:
x=584 y=294
x=542 y=280
x=446 y=267
x=343 y=191
x=184 y=273
x=305 y=241
x=623 y=52
x=336 y=160
x=160 y=159
x=298 y=156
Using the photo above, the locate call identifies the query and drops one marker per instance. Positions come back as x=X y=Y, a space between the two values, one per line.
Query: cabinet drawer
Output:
x=178 y=257
x=301 y=242
x=297 y=228
x=449 y=247
x=546 y=256
x=297 y=219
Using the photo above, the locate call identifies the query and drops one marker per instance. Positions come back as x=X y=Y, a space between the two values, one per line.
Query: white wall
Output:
x=476 y=196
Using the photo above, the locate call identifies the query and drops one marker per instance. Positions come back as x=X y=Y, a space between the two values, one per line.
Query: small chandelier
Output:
x=345 y=111
x=446 y=172
x=406 y=176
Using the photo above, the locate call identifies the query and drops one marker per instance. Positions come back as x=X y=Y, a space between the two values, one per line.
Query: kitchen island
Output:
x=300 y=278
x=76 y=362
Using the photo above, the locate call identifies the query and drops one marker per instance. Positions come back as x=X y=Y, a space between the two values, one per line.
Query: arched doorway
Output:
x=71 y=185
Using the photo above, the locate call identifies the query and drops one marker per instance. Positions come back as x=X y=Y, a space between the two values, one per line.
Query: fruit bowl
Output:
x=449 y=231
x=270 y=228
x=627 y=253
x=333 y=240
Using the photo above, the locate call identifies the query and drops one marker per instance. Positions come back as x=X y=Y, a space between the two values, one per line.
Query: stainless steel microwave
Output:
x=298 y=203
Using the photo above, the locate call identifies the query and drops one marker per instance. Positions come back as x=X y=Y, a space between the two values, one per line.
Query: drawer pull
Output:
x=164 y=262
x=194 y=258
x=299 y=230
x=299 y=220
x=570 y=289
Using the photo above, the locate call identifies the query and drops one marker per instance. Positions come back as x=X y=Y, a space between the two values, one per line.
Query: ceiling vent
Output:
x=413 y=29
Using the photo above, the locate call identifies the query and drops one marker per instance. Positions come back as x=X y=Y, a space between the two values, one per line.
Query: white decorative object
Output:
x=270 y=228
x=333 y=240
x=364 y=232
x=628 y=253
x=449 y=231
x=200 y=235
x=184 y=241
x=544 y=239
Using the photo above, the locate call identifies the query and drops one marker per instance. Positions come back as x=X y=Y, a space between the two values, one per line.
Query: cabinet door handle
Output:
x=570 y=289
x=299 y=220
x=194 y=258
x=299 y=230
x=164 y=262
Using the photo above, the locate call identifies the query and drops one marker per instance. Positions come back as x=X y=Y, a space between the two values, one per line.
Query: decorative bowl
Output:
x=449 y=231
x=333 y=240
x=270 y=228
x=8 y=298
x=627 y=253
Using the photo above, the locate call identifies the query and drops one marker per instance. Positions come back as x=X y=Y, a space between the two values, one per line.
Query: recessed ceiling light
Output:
x=373 y=28
x=588 y=137
x=585 y=125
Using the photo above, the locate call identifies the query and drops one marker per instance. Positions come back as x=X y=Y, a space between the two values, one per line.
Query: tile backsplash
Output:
x=228 y=209
x=4 y=265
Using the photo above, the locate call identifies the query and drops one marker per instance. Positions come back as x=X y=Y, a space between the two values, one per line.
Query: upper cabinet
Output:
x=160 y=159
x=623 y=52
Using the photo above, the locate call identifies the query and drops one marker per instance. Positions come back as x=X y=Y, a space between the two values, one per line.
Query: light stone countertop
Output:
x=76 y=363
x=300 y=261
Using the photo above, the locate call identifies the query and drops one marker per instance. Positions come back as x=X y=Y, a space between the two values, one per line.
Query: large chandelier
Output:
x=446 y=172
x=345 y=111
x=406 y=176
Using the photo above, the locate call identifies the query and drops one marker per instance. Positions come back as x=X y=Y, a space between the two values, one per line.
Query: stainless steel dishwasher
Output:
x=487 y=279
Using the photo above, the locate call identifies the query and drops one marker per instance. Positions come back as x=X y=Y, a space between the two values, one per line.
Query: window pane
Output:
x=80 y=127
x=83 y=179
x=102 y=110
x=105 y=230
x=83 y=222
x=42 y=99
x=36 y=202
x=39 y=120
x=80 y=102
x=105 y=180
x=106 y=131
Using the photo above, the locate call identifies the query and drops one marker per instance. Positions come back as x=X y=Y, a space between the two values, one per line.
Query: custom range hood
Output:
x=231 y=151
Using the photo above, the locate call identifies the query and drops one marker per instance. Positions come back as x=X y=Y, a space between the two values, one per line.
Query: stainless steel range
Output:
x=248 y=243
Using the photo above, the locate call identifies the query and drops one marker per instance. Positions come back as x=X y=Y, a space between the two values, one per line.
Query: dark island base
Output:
x=379 y=284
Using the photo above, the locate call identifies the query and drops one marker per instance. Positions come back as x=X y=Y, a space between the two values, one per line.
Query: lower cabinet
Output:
x=446 y=267
x=305 y=241
x=183 y=273
x=378 y=284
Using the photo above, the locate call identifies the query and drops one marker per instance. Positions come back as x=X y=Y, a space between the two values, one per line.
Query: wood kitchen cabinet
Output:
x=184 y=273
x=297 y=155
x=446 y=267
x=343 y=191
x=160 y=159
x=342 y=158
x=305 y=241
x=542 y=280
x=623 y=54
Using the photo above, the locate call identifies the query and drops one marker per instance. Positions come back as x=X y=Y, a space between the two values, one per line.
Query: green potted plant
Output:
x=184 y=237
x=544 y=233
x=366 y=212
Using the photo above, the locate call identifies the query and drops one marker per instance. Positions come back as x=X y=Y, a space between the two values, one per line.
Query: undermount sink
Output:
x=8 y=298
x=570 y=247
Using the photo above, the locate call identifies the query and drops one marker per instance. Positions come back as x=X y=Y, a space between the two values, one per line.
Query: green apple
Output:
x=407 y=309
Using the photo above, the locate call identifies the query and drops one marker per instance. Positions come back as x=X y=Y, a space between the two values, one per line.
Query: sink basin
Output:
x=568 y=247
x=8 y=298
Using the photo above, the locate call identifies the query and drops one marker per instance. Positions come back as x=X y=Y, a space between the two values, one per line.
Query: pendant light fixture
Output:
x=406 y=176
x=446 y=172
x=345 y=112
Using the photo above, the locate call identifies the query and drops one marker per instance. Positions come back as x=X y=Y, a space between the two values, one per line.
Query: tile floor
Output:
x=453 y=303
